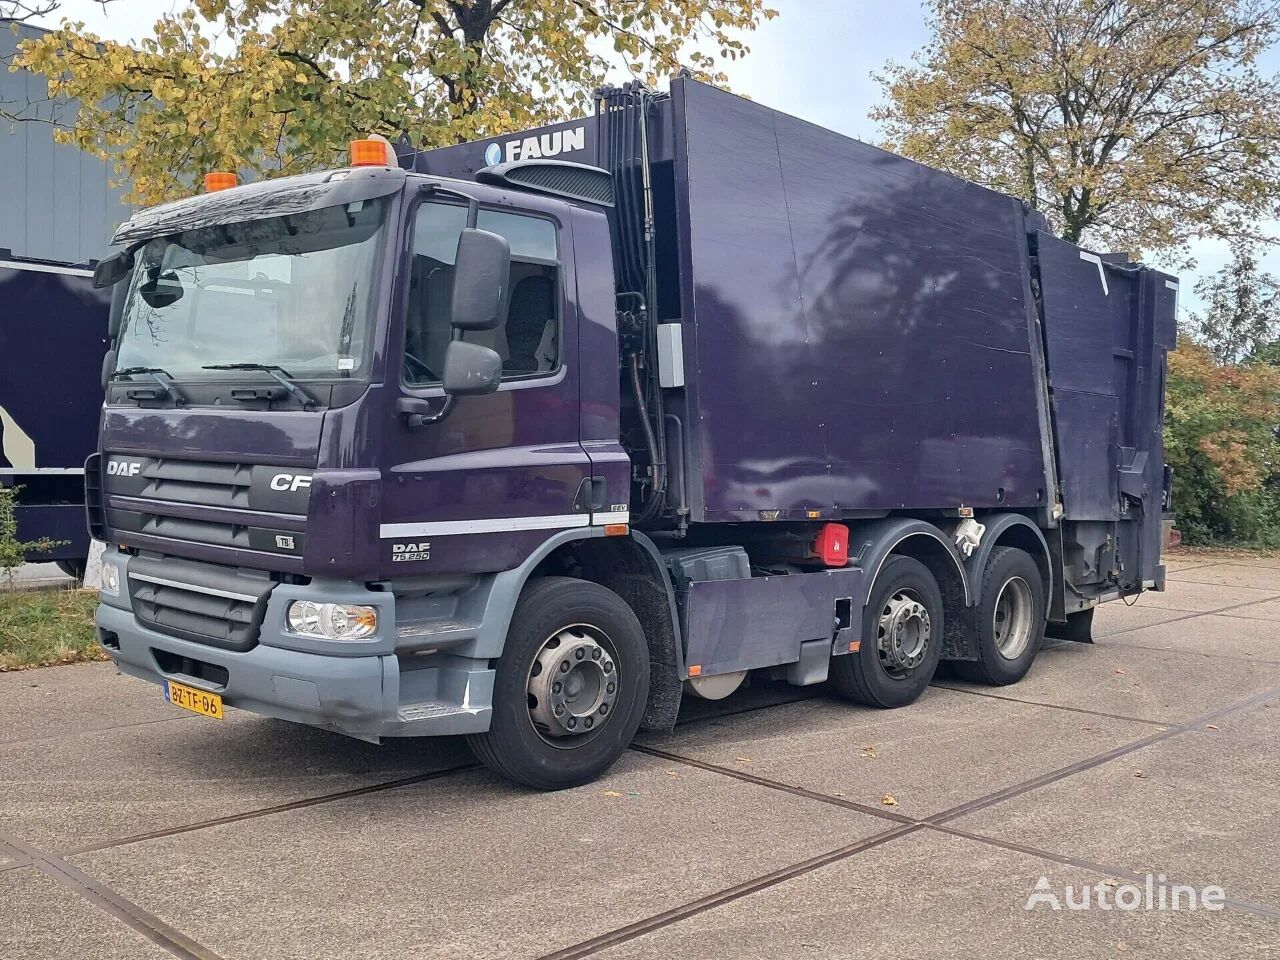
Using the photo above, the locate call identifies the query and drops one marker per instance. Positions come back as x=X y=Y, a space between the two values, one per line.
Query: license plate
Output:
x=197 y=701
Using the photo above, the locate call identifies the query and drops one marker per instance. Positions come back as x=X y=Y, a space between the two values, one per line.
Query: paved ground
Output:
x=131 y=830
x=41 y=575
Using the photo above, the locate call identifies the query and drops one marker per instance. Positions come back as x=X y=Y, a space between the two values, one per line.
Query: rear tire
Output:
x=902 y=629
x=75 y=569
x=570 y=688
x=1010 y=619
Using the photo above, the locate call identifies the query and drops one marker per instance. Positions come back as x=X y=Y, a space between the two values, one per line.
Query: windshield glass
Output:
x=293 y=292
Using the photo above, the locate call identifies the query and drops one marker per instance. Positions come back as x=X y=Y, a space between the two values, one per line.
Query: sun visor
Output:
x=256 y=201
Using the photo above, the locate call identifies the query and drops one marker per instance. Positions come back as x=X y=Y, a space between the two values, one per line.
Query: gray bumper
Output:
x=365 y=695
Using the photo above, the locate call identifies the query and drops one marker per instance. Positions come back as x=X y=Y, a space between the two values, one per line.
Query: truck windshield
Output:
x=293 y=292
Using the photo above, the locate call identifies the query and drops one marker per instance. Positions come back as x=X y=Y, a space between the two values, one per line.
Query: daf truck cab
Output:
x=526 y=449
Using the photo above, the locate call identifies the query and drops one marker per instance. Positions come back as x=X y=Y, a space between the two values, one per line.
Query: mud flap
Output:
x=1078 y=628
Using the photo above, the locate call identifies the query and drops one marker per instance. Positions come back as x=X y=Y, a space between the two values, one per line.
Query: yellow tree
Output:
x=279 y=86
x=1139 y=124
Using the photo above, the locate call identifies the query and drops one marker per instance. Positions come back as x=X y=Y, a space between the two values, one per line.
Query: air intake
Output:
x=576 y=181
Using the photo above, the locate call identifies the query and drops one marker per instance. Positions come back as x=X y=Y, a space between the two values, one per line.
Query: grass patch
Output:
x=39 y=628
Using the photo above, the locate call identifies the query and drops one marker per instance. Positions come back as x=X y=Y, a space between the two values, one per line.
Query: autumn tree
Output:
x=1242 y=316
x=280 y=86
x=1131 y=124
x=1220 y=439
x=20 y=11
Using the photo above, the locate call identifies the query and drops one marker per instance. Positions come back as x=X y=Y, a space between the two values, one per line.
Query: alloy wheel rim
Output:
x=573 y=685
x=903 y=633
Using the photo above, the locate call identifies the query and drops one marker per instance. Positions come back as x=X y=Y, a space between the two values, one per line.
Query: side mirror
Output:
x=161 y=290
x=113 y=269
x=481 y=269
x=471 y=369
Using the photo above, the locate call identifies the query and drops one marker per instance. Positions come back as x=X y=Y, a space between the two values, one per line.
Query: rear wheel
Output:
x=902 y=628
x=571 y=686
x=73 y=568
x=1010 y=619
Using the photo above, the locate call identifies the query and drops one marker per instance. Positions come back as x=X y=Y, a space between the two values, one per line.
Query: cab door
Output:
x=482 y=488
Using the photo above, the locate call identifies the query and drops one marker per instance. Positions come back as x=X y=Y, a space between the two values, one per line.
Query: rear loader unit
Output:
x=526 y=438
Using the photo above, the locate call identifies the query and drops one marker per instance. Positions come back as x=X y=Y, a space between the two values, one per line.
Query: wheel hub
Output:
x=1012 y=617
x=573 y=684
x=903 y=633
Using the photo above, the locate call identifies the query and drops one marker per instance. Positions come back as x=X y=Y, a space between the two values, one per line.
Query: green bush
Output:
x=12 y=550
x=1220 y=439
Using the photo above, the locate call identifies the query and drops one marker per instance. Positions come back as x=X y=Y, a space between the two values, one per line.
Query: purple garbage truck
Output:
x=524 y=439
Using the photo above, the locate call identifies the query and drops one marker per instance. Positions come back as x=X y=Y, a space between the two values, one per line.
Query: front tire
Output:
x=902 y=627
x=1010 y=619
x=570 y=686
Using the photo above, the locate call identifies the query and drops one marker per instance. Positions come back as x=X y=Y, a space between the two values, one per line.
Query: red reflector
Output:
x=832 y=545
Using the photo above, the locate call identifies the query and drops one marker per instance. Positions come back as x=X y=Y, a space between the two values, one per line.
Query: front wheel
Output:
x=902 y=626
x=571 y=686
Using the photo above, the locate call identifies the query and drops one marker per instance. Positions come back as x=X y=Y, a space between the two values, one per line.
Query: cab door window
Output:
x=529 y=341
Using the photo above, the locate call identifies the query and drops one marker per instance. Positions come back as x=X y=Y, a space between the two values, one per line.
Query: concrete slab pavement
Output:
x=1232 y=574
x=1195 y=597
x=1214 y=635
x=105 y=785
x=1201 y=807
x=1153 y=685
x=44 y=920
x=60 y=701
x=928 y=896
x=864 y=755
x=469 y=866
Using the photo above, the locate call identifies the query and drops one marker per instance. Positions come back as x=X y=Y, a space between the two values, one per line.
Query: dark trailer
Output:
x=53 y=333
x=57 y=210
x=525 y=438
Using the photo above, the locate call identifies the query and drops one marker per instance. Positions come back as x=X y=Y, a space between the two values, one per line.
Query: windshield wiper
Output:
x=159 y=375
x=276 y=372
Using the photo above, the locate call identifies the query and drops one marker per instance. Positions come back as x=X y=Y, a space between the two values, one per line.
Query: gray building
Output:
x=56 y=202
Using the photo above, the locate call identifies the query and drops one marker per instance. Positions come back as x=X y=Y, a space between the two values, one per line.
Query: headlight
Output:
x=110 y=578
x=332 y=621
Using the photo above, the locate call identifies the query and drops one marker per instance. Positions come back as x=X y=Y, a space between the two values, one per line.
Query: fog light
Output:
x=110 y=578
x=332 y=621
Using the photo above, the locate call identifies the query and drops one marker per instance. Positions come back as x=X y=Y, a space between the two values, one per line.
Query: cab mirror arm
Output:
x=418 y=413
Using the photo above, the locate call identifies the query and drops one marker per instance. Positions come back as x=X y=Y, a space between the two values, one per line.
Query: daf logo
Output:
x=535 y=148
x=401 y=552
x=123 y=468
x=290 y=481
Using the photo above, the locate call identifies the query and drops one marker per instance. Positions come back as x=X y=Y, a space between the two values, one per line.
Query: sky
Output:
x=816 y=60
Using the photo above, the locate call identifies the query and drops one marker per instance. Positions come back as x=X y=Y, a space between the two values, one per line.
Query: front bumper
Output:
x=369 y=692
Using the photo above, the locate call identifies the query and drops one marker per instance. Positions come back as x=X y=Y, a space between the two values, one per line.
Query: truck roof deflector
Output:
x=560 y=178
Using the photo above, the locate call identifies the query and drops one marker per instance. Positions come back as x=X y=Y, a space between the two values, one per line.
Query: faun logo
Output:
x=535 y=148
x=401 y=552
x=123 y=468
x=290 y=481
